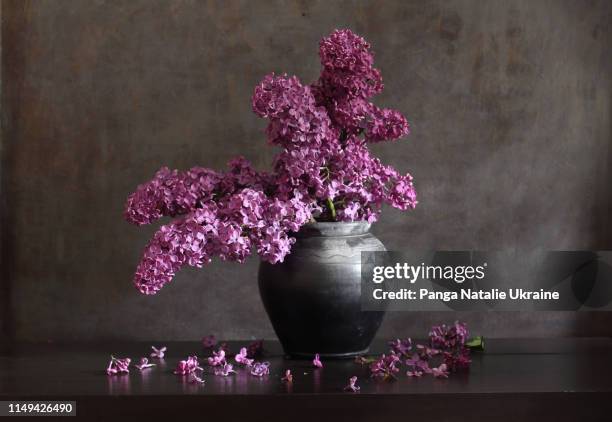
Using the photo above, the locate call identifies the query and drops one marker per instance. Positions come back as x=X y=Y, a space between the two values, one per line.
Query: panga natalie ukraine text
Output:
x=465 y=294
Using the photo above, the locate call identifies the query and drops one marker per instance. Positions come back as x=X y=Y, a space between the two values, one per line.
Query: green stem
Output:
x=332 y=208
x=477 y=343
x=327 y=172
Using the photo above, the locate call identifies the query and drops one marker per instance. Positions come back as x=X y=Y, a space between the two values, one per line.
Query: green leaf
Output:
x=476 y=344
x=332 y=208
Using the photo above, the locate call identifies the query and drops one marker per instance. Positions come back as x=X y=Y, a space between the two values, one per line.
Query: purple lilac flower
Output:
x=385 y=367
x=440 y=372
x=144 y=364
x=217 y=359
x=352 y=385
x=188 y=366
x=451 y=341
x=401 y=347
x=158 y=353
x=209 y=341
x=242 y=357
x=419 y=365
x=426 y=352
x=259 y=369
x=171 y=193
x=317 y=361
x=348 y=66
x=118 y=366
x=447 y=337
x=224 y=370
x=459 y=360
x=447 y=344
x=248 y=219
x=347 y=81
x=385 y=125
x=323 y=171
x=288 y=376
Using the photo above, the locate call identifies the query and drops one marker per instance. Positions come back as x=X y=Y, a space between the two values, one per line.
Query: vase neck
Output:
x=334 y=229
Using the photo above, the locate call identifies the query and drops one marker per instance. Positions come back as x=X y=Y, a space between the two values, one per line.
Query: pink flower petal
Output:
x=118 y=366
x=288 y=376
x=144 y=364
x=352 y=385
x=158 y=353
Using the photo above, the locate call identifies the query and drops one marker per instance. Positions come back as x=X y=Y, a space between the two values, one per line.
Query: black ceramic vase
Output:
x=313 y=297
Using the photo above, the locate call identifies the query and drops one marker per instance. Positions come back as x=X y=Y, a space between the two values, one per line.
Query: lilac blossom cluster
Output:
x=451 y=342
x=385 y=367
x=324 y=171
x=446 y=352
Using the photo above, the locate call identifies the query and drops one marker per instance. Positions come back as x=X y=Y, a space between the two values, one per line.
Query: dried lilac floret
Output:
x=242 y=358
x=401 y=347
x=118 y=366
x=259 y=369
x=288 y=376
x=426 y=352
x=144 y=364
x=217 y=359
x=224 y=370
x=385 y=367
x=352 y=385
x=158 y=353
x=188 y=366
x=418 y=364
x=440 y=372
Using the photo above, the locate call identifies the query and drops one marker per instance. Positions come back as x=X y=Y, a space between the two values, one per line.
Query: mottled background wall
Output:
x=509 y=101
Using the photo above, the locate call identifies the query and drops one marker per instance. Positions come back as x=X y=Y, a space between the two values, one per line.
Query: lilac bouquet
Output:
x=323 y=172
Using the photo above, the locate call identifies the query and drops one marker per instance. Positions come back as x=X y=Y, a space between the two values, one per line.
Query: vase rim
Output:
x=334 y=228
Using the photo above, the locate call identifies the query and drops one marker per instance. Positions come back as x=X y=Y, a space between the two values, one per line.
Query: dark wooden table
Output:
x=561 y=379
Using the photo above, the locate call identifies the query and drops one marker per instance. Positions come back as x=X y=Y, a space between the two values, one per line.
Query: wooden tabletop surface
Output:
x=531 y=379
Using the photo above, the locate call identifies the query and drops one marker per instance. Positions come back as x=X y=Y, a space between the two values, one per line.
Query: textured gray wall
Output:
x=509 y=101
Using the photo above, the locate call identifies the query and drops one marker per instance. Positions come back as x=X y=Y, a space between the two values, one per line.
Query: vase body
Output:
x=313 y=298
